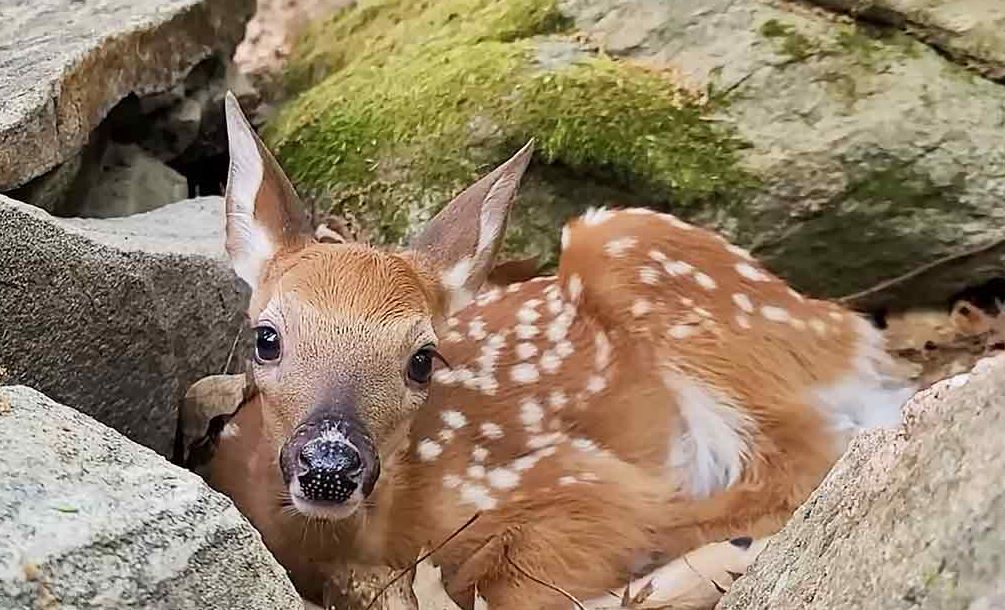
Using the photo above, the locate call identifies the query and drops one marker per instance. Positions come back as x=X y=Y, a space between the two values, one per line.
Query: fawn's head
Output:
x=346 y=334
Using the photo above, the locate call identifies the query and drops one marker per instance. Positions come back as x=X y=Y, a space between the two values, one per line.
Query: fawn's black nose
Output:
x=329 y=471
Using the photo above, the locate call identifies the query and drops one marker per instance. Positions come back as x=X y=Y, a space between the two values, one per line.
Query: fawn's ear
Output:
x=264 y=214
x=462 y=240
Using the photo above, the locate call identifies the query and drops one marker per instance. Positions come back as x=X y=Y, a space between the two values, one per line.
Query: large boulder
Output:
x=907 y=519
x=89 y=519
x=66 y=63
x=117 y=317
x=841 y=154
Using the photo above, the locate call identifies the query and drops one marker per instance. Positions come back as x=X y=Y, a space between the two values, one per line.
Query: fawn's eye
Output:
x=267 y=344
x=420 y=365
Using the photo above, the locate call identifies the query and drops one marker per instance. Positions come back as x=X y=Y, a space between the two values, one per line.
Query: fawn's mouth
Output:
x=329 y=511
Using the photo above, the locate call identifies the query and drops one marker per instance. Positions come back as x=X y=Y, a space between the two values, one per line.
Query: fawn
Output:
x=660 y=392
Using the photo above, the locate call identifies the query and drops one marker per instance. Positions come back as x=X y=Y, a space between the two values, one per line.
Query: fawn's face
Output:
x=345 y=334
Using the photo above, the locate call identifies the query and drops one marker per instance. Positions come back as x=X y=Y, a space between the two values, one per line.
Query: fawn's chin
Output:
x=327 y=511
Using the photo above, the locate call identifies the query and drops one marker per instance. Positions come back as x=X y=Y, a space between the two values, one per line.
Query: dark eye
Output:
x=267 y=344
x=420 y=365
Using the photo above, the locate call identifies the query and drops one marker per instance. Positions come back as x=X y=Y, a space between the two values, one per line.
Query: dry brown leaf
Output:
x=430 y=592
x=208 y=398
x=4 y=404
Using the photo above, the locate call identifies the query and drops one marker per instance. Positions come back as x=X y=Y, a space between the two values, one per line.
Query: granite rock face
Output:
x=89 y=519
x=64 y=64
x=908 y=519
x=117 y=317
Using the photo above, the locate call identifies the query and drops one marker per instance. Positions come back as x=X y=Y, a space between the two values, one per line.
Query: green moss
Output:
x=424 y=96
x=792 y=43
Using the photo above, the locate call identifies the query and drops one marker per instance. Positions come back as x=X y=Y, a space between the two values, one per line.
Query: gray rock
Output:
x=875 y=154
x=908 y=519
x=131 y=181
x=972 y=32
x=89 y=519
x=64 y=64
x=118 y=317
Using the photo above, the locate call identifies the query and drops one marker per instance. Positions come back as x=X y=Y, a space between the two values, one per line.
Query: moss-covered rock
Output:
x=842 y=155
x=424 y=96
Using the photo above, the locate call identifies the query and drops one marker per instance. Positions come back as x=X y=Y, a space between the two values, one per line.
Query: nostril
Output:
x=331 y=470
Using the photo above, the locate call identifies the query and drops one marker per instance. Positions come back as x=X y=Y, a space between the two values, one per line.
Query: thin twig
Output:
x=554 y=588
x=422 y=558
x=900 y=279
x=233 y=347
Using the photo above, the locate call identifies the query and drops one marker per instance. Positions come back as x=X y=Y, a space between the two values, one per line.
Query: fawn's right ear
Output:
x=264 y=214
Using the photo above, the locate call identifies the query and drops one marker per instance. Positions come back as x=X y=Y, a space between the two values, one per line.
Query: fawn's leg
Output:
x=578 y=521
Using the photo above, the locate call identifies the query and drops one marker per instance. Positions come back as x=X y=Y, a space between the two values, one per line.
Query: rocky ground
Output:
x=857 y=147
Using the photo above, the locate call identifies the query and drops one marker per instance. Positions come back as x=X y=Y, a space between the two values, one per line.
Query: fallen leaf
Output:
x=206 y=399
x=4 y=404
x=430 y=593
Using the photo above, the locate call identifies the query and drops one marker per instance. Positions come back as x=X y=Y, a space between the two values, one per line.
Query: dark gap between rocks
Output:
x=149 y=151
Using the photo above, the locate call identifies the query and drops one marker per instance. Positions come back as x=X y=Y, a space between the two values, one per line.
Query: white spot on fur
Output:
x=775 y=314
x=526 y=331
x=835 y=315
x=528 y=314
x=596 y=384
x=454 y=419
x=701 y=311
x=743 y=302
x=682 y=331
x=714 y=444
x=479 y=454
x=454 y=337
x=617 y=247
x=566 y=237
x=796 y=295
x=641 y=307
x=657 y=256
x=503 y=478
x=452 y=322
x=586 y=445
x=476 y=471
x=557 y=399
x=564 y=348
x=491 y=430
x=751 y=273
x=743 y=320
x=446 y=435
x=531 y=415
x=705 y=281
x=489 y=296
x=596 y=216
x=798 y=323
x=550 y=361
x=525 y=373
x=602 y=345
x=429 y=450
x=649 y=276
x=568 y=480
x=818 y=326
x=478 y=495
x=230 y=430
x=738 y=251
x=575 y=287
x=476 y=328
x=451 y=481
x=678 y=267
x=526 y=351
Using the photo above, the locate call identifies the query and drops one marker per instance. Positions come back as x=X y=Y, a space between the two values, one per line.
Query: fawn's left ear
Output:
x=463 y=239
x=264 y=214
